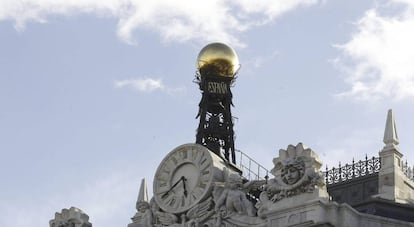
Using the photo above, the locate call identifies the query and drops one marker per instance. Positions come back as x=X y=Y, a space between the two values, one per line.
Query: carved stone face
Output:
x=142 y=207
x=291 y=175
x=222 y=212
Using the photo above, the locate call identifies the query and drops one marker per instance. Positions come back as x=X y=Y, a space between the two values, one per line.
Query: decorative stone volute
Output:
x=72 y=217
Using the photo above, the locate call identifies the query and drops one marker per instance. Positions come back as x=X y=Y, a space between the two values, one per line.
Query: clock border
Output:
x=189 y=146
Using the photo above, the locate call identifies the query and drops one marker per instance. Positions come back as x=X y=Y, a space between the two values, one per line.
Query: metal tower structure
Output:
x=217 y=67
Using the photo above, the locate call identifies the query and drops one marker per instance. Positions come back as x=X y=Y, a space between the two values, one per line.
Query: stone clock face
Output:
x=183 y=178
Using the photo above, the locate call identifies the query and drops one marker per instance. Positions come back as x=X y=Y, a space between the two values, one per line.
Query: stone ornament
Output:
x=72 y=217
x=296 y=171
x=231 y=206
x=232 y=197
x=200 y=213
x=143 y=216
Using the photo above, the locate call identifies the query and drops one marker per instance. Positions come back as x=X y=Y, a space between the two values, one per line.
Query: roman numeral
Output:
x=192 y=198
x=202 y=161
x=169 y=166
x=167 y=199
x=162 y=184
x=183 y=154
x=195 y=154
x=174 y=159
x=205 y=172
x=172 y=202
x=202 y=185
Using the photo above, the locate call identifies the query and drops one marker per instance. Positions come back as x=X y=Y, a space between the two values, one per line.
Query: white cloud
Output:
x=149 y=85
x=142 y=85
x=378 y=59
x=174 y=20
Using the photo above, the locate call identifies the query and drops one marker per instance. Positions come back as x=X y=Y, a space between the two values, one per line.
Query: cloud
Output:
x=142 y=85
x=149 y=85
x=378 y=59
x=173 y=20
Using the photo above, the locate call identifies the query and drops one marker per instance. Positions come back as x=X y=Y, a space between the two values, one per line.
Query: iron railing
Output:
x=352 y=171
x=251 y=169
x=408 y=170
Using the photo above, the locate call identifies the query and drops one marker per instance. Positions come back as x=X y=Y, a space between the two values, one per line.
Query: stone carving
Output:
x=143 y=217
x=296 y=171
x=72 y=217
x=160 y=218
x=144 y=214
x=200 y=213
x=232 y=208
x=226 y=206
x=232 y=196
x=149 y=213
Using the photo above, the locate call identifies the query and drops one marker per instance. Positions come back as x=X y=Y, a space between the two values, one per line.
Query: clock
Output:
x=185 y=176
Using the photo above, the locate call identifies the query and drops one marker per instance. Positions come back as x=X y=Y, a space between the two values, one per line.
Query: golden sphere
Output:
x=217 y=59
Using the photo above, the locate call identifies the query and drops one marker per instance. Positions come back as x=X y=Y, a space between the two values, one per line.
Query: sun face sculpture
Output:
x=296 y=172
x=292 y=172
x=295 y=165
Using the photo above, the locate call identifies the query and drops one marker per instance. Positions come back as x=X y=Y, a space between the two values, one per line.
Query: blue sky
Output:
x=93 y=94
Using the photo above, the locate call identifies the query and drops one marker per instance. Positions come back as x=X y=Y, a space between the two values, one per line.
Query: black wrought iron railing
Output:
x=408 y=170
x=352 y=171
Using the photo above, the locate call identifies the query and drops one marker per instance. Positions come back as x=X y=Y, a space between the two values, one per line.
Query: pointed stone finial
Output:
x=143 y=216
x=390 y=134
x=143 y=192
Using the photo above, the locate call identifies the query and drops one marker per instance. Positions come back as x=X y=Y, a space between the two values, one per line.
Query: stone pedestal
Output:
x=393 y=184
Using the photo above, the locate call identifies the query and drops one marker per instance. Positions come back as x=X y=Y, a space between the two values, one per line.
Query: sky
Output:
x=93 y=94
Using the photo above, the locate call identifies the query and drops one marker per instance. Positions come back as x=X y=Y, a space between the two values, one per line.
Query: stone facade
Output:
x=296 y=195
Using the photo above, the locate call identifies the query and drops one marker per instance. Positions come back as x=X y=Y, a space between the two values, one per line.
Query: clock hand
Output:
x=172 y=187
x=185 y=187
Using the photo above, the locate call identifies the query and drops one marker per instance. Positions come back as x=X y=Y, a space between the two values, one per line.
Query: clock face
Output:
x=183 y=178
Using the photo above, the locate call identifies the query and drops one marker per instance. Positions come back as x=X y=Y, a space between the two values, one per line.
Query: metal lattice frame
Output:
x=215 y=130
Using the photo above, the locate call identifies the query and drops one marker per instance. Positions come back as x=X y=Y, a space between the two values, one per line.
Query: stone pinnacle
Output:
x=390 y=133
x=143 y=192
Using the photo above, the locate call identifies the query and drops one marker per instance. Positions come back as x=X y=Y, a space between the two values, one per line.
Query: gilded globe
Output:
x=217 y=59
